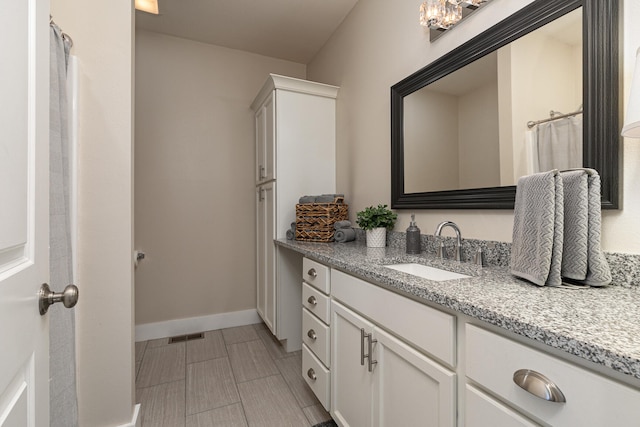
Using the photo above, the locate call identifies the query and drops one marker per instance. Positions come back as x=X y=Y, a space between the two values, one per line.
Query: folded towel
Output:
x=306 y=200
x=576 y=224
x=325 y=198
x=291 y=235
x=342 y=224
x=344 y=235
x=536 y=251
x=582 y=257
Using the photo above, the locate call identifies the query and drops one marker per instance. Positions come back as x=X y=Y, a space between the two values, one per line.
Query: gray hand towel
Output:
x=293 y=226
x=304 y=200
x=291 y=235
x=536 y=251
x=576 y=224
x=342 y=224
x=344 y=235
x=326 y=198
x=583 y=259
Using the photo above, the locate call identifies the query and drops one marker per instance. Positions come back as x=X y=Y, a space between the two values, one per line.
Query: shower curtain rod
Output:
x=552 y=118
x=64 y=35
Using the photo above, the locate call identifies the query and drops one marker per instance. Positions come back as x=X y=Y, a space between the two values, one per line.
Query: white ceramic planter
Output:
x=377 y=238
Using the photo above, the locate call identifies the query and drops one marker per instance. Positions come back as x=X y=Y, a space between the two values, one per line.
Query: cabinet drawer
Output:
x=316 y=302
x=316 y=274
x=317 y=376
x=481 y=411
x=492 y=360
x=427 y=328
x=315 y=335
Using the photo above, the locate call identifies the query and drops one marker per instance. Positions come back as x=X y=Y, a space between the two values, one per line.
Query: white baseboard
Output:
x=136 y=421
x=170 y=328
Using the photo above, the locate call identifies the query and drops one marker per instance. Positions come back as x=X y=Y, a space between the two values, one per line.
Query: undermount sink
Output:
x=426 y=272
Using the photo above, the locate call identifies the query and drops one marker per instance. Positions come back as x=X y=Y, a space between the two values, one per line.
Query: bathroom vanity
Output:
x=398 y=349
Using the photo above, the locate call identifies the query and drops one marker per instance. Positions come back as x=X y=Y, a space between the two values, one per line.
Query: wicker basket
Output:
x=314 y=221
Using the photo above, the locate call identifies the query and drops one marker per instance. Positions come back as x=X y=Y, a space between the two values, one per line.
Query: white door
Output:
x=266 y=253
x=24 y=212
x=410 y=389
x=265 y=141
x=351 y=381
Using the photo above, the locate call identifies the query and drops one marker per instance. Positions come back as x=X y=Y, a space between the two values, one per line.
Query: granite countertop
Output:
x=601 y=325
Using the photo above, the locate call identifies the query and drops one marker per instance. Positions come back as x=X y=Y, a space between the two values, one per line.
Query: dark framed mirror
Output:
x=600 y=109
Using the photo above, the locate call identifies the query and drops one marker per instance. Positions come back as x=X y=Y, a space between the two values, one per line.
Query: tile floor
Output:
x=233 y=377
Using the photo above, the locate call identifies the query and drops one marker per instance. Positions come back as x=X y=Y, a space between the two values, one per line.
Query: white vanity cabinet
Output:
x=295 y=156
x=378 y=377
x=589 y=398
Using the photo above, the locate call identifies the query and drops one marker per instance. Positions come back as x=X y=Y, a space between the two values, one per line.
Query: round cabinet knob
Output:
x=312 y=272
x=312 y=300
x=312 y=334
x=312 y=374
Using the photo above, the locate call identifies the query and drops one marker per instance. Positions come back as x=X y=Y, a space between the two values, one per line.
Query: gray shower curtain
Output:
x=62 y=360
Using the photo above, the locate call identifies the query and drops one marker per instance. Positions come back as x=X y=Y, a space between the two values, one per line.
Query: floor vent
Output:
x=183 y=338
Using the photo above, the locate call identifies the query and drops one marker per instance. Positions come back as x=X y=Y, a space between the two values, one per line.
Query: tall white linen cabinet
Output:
x=295 y=156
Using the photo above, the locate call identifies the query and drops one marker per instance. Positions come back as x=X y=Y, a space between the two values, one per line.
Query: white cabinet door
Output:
x=351 y=382
x=266 y=255
x=410 y=389
x=265 y=138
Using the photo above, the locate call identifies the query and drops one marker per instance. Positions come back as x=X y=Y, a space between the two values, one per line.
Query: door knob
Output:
x=312 y=334
x=46 y=297
x=312 y=300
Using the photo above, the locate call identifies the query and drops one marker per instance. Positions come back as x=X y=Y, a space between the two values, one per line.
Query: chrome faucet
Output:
x=458 y=249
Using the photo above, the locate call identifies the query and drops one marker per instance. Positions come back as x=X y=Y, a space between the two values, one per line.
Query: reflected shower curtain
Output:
x=560 y=144
x=62 y=361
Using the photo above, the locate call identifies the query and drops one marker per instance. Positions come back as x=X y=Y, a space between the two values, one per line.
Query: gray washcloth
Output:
x=344 y=235
x=536 y=251
x=582 y=258
x=291 y=235
x=293 y=226
x=304 y=200
x=342 y=224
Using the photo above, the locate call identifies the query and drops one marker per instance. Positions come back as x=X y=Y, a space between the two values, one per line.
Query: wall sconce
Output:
x=631 y=128
x=440 y=15
x=149 y=6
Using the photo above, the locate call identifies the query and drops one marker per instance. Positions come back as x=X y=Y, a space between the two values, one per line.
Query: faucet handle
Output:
x=441 y=252
x=478 y=258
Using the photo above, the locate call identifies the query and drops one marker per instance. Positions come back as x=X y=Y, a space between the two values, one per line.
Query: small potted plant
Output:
x=376 y=221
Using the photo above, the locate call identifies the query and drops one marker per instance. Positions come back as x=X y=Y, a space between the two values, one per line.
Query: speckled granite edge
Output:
x=596 y=324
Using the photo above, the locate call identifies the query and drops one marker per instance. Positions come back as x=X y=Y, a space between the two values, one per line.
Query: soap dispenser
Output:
x=413 y=237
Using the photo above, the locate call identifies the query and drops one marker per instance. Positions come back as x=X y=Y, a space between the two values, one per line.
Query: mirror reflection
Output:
x=470 y=129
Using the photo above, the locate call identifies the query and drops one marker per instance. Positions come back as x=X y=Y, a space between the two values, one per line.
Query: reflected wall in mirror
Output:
x=459 y=126
x=469 y=129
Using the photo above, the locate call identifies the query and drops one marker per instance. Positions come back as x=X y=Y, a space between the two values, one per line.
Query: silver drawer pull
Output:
x=312 y=374
x=312 y=300
x=538 y=385
x=362 y=356
x=312 y=272
x=312 y=334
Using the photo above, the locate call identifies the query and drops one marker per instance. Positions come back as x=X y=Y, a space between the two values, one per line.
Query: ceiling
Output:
x=294 y=30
